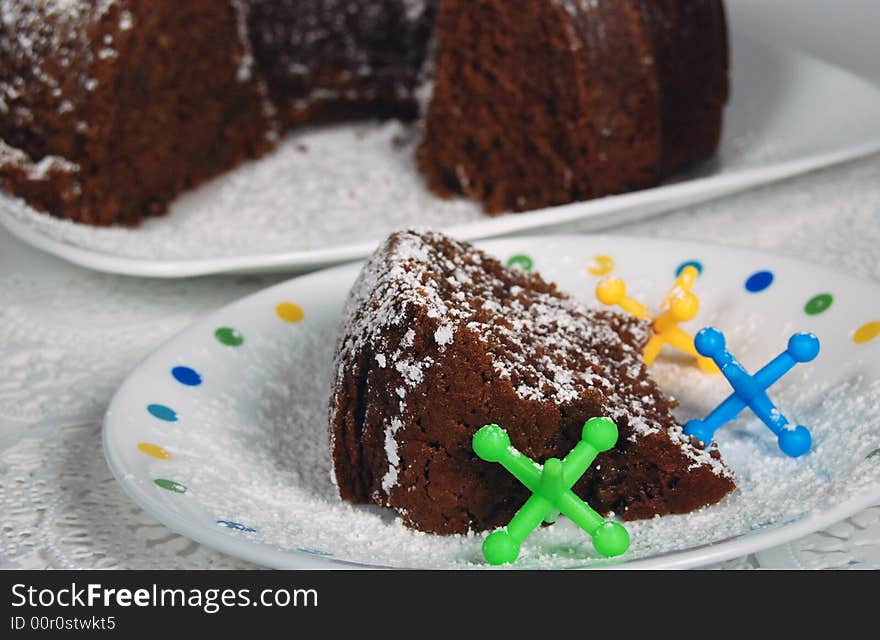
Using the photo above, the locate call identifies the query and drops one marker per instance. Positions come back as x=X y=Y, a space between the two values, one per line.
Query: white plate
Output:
x=248 y=451
x=789 y=114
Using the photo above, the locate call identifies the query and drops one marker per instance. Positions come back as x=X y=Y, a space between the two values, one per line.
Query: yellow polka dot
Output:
x=290 y=312
x=154 y=450
x=601 y=266
x=866 y=332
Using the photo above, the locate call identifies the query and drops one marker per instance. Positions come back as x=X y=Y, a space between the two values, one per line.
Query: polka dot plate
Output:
x=221 y=433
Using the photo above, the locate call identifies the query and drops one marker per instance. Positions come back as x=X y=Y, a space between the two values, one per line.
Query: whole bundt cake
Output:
x=111 y=108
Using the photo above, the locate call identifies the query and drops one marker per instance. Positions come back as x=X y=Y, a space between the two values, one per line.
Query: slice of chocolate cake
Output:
x=440 y=339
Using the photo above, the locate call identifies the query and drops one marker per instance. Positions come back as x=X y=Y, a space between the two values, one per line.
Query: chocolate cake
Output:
x=440 y=339
x=111 y=108
x=567 y=100
x=330 y=60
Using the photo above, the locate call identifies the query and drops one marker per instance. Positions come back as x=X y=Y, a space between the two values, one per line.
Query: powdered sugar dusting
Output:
x=58 y=30
x=40 y=170
x=444 y=335
x=307 y=192
x=390 y=477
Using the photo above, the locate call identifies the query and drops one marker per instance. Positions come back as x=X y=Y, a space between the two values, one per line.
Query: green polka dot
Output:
x=818 y=304
x=521 y=261
x=170 y=485
x=229 y=337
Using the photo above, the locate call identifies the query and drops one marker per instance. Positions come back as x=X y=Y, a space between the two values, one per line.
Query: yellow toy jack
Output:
x=679 y=305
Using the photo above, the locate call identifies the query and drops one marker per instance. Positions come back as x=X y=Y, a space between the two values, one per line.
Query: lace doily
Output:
x=67 y=342
x=65 y=345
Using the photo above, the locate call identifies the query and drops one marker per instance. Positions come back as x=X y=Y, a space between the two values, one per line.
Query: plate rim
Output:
x=624 y=207
x=269 y=556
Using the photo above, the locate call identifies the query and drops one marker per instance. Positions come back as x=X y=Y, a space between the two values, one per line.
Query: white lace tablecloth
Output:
x=68 y=337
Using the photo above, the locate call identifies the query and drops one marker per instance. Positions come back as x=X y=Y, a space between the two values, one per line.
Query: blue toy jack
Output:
x=751 y=390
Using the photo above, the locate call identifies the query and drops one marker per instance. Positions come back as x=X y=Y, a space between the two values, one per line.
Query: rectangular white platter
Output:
x=329 y=195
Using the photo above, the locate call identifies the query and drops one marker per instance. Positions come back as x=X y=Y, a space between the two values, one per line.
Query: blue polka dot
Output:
x=690 y=263
x=162 y=412
x=187 y=376
x=236 y=525
x=759 y=281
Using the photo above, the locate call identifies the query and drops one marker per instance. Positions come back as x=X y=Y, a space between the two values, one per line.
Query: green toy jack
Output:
x=551 y=489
